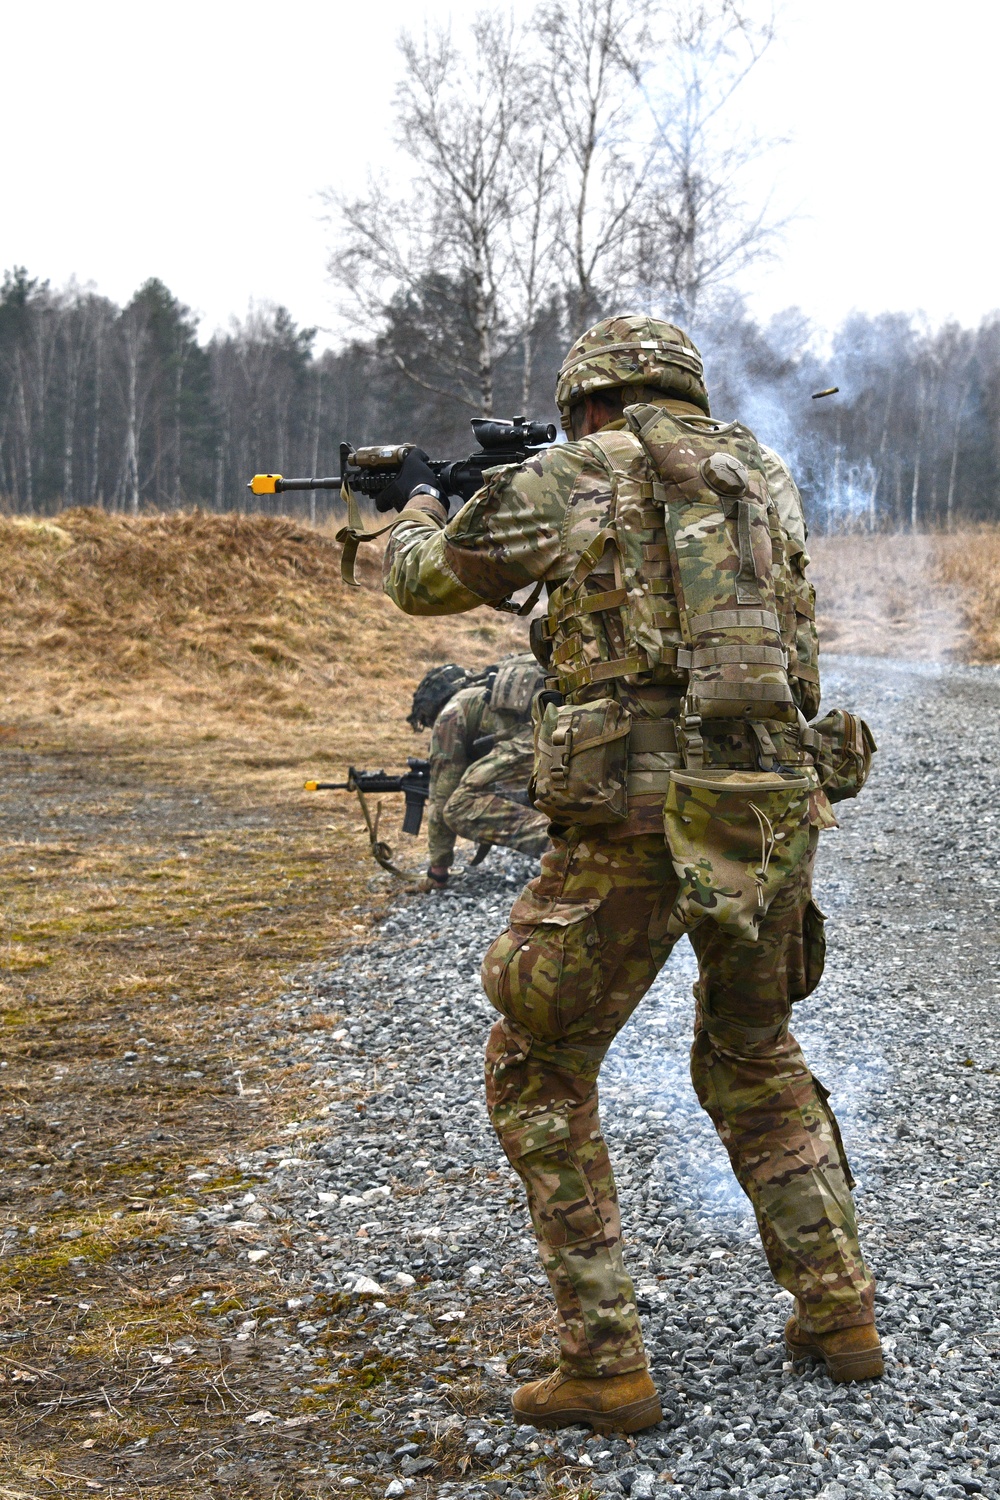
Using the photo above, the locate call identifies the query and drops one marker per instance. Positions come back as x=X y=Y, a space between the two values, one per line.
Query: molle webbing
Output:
x=734 y=619
x=692 y=548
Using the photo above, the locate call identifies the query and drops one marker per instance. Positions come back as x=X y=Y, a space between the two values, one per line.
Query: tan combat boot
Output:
x=610 y=1403
x=848 y=1353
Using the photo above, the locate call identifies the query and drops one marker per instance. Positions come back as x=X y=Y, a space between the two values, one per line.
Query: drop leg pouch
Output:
x=734 y=839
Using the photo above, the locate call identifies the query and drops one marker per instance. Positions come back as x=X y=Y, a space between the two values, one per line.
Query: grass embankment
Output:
x=166 y=683
x=969 y=563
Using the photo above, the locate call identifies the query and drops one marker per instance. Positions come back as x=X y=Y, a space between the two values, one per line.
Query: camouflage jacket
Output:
x=533 y=522
x=464 y=719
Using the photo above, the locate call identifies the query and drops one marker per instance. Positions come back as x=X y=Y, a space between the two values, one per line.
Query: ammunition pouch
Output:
x=842 y=746
x=734 y=839
x=581 y=761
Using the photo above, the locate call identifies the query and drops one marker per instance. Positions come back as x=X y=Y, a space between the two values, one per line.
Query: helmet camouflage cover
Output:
x=631 y=350
x=436 y=688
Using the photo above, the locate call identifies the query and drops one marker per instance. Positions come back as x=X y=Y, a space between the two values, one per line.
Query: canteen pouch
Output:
x=843 y=753
x=734 y=838
x=581 y=761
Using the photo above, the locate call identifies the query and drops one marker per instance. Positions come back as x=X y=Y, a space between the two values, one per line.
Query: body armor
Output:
x=687 y=597
x=683 y=605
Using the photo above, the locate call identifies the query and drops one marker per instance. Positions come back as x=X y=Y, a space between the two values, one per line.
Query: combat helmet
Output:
x=436 y=688
x=633 y=349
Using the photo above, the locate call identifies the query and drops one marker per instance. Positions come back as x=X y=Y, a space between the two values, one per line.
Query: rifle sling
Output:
x=354 y=533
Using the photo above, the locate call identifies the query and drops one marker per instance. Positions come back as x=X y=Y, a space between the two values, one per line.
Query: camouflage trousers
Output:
x=586 y=939
x=490 y=803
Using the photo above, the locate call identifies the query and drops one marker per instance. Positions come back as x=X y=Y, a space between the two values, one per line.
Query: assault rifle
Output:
x=415 y=786
x=369 y=471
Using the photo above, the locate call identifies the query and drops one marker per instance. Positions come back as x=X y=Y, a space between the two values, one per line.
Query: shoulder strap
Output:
x=615 y=448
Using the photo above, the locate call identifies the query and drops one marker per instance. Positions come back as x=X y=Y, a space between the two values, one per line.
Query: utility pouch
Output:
x=843 y=753
x=735 y=837
x=581 y=761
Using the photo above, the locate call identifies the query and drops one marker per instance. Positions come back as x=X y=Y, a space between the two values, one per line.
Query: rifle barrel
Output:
x=333 y=483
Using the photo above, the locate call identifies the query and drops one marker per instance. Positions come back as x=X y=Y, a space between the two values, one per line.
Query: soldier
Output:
x=481 y=759
x=678 y=766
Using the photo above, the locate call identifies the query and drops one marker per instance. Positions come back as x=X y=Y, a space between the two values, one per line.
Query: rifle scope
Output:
x=494 y=433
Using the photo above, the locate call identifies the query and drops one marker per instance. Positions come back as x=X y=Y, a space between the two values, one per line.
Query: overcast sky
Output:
x=190 y=141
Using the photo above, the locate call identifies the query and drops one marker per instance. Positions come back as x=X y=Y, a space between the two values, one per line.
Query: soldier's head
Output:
x=436 y=688
x=622 y=361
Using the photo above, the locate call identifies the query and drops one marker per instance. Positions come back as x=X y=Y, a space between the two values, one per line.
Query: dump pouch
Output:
x=734 y=838
x=581 y=761
x=843 y=753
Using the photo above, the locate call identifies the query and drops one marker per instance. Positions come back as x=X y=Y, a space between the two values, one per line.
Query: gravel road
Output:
x=409 y=1183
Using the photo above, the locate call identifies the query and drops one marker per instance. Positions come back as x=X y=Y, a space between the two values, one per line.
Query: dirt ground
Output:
x=166 y=684
x=165 y=688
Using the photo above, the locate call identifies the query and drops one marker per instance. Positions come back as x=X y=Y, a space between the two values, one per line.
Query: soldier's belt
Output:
x=758 y=692
x=649 y=774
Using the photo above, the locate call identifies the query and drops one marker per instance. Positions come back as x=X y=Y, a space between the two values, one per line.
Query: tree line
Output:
x=589 y=159
x=124 y=408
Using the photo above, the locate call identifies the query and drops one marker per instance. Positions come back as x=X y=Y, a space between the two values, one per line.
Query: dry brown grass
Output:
x=969 y=563
x=166 y=685
x=884 y=596
x=191 y=623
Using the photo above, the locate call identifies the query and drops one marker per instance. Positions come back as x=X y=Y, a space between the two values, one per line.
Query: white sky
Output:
x=190 y=140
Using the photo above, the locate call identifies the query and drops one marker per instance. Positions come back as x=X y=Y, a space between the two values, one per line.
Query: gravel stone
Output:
x=408 y=1181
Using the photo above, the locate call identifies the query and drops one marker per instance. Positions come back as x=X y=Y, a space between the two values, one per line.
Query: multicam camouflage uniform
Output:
x=587 y=937
x=483 y=799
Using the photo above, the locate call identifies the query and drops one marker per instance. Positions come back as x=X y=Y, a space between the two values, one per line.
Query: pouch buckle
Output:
x=692 y=744
x=562 y=750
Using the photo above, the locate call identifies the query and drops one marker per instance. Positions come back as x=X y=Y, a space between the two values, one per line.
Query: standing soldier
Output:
x=678 y=768
x=482 y=756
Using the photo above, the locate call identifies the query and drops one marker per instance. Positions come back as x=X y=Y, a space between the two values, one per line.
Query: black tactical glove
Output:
x=415 y=470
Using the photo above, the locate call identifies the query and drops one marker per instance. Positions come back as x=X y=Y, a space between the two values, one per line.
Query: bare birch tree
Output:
x=695 y=233
x=462 y=120
x=596 y=53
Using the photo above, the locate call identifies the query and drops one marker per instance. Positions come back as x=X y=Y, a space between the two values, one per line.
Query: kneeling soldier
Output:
x=680 y=773
x=481 y=757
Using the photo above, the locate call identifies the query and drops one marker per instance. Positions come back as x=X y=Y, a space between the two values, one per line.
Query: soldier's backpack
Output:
x=697 y=553
x=517 y=680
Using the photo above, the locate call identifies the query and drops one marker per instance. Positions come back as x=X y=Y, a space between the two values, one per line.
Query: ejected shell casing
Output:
x=830 y=391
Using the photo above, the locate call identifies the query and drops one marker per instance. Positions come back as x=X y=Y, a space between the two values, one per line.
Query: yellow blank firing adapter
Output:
x=264 y=484
x=311 y=786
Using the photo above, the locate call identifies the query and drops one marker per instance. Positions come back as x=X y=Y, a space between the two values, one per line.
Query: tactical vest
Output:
x=671 y=643
x=686 y=586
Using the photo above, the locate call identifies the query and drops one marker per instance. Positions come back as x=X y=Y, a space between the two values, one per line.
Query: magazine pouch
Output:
x=843 y=752
x=581 y=761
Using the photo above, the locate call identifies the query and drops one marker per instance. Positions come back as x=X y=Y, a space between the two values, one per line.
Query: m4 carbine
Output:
x=369 y=471
x=414 y=784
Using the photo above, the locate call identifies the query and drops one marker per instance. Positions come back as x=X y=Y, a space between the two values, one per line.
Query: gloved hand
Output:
x=415 y=470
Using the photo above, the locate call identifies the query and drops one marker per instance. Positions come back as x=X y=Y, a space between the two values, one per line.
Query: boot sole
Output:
x=862 y=1364
x=631 y=1418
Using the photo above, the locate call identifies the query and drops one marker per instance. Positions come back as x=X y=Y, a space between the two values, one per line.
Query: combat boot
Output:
x=609 y=1403
x=848 y=1353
